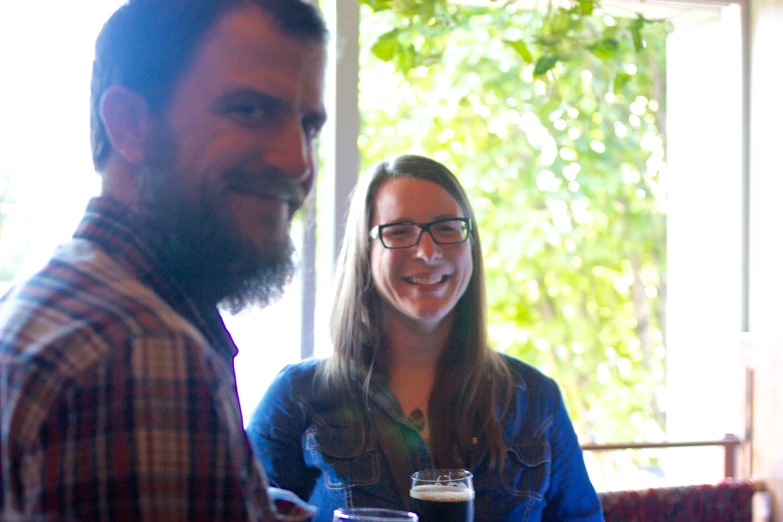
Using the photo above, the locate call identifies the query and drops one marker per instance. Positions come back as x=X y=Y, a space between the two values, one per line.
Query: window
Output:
x=609 y=211
x=46 y=173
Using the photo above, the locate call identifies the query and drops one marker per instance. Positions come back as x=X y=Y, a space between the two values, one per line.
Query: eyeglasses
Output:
x=447 y=231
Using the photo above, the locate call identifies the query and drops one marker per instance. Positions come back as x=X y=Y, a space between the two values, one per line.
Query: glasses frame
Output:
x=376 y=231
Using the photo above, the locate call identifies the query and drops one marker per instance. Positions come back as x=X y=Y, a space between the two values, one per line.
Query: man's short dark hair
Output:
x=147 y=44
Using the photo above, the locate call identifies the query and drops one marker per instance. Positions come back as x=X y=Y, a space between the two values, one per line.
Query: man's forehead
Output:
x=247 y=47
x=249 y=32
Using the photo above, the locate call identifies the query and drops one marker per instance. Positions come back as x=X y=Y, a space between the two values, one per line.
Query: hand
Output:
x=290 y=508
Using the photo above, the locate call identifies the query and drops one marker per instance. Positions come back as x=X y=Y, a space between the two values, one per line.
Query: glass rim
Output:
x=466 y=474
x=368 y=513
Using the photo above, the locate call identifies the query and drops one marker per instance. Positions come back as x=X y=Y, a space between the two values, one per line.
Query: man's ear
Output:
x=126 y=117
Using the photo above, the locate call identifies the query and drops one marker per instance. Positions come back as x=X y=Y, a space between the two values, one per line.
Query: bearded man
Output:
x=117 y=388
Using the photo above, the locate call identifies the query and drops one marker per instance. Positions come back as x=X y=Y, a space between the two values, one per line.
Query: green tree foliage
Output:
x=554 y=123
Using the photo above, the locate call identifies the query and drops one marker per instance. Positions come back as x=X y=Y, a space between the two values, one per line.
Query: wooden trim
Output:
x=730 y=443
x=730 y=440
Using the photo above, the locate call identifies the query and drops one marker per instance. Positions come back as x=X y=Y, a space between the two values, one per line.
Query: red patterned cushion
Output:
x=728 y=501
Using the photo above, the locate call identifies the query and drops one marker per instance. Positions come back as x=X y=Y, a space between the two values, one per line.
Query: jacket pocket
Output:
x=527 y=468
x=343 y=459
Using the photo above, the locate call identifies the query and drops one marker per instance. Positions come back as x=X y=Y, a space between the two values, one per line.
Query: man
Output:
x=117 y=389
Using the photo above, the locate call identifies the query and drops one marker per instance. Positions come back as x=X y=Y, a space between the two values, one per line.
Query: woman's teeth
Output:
x=426 y=280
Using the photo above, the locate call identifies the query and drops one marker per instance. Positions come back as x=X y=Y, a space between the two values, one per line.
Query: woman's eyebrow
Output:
x=405 y=219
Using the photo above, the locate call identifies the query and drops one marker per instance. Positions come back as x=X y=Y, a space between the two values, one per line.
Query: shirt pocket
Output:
x=527 y=468
x=343 y=459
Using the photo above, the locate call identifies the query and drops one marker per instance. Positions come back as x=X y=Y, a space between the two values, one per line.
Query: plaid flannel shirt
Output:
x=117 y=393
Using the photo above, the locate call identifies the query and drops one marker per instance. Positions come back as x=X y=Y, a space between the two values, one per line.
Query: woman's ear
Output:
x=125 y=115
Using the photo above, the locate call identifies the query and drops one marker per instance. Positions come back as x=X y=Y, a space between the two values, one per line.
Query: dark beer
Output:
x=437 y=503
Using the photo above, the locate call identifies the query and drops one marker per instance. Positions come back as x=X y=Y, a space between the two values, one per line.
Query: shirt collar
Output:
x=131 y=242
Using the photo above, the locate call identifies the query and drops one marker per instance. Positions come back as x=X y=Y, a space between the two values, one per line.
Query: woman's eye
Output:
x=445 y=229
x=398 y=232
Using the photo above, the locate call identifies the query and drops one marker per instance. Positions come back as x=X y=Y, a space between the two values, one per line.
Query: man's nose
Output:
x=292 y=155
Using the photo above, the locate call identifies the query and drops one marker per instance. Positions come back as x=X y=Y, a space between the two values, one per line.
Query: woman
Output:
x=410 y=345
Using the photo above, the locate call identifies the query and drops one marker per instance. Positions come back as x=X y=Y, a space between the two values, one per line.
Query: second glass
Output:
x=373 y=515
x=443 y=494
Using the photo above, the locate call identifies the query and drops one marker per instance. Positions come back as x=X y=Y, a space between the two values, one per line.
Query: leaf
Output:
x=610 y=31
x=407 y=10
x=586 y=7
x=386 y=46
x=605 y=49
x=561 y=22
x=547 y=41
x=544 y=64
x=521 y=48
x=620 y=80
x=377 y=5
x=406 y=57
x=427 y=11
x=636 y=33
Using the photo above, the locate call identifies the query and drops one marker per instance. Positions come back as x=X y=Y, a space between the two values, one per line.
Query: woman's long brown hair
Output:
x=473 y=388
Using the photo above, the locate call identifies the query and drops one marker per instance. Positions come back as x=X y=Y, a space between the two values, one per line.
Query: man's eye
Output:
x=312 y=132
x=249 y=110
x=311 y=128
x=250 y=114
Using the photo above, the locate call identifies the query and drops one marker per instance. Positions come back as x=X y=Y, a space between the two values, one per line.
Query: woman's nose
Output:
x=427 y=248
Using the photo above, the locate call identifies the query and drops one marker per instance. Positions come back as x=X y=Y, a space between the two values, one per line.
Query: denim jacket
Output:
x=305 y=442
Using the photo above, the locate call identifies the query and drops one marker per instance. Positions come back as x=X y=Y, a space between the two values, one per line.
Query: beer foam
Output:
x=440 y=493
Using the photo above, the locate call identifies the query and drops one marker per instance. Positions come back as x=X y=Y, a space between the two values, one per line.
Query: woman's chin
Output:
x=428 y=317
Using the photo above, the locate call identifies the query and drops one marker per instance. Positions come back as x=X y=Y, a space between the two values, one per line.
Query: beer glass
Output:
x=373 y=515
x=443 y=494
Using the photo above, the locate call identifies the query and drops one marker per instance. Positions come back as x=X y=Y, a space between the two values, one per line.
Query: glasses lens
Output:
x=399 y=236
x=450 y=231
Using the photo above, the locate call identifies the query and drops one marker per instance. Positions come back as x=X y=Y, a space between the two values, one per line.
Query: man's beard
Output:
x=202 y=247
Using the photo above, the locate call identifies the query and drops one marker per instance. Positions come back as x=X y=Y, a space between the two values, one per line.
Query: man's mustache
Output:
x=268 y=186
